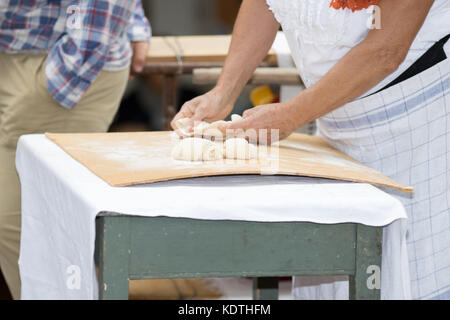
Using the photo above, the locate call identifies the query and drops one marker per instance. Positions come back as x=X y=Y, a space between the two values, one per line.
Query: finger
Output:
x=235 y=129
x=248 y=112
x=182 y=133
x=186 y=111
x=180 y=115
x=140 y=50
x=244 y=124
x=200 y=112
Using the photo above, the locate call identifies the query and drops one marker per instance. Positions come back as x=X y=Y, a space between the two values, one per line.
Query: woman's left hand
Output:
x=277 y=116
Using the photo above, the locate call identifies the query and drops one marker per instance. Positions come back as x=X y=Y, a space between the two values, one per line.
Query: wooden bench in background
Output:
x=177 y=55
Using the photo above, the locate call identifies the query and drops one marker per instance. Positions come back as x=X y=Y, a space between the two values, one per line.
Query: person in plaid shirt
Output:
x=64 y=66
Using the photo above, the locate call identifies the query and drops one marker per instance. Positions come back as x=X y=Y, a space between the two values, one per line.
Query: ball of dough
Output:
x=239 y=148
x=197 y=149
x=235 y=117
x=200 y=128
x=212 y=131
x=205 y=129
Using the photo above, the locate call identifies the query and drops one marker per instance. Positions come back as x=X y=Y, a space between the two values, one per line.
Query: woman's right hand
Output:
x=253 y=35
x=211 y=106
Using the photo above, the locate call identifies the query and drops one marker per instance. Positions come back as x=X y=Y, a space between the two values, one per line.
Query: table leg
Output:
x=366 y=283
x=169 y=99
x=113 y=256
x=265 y=288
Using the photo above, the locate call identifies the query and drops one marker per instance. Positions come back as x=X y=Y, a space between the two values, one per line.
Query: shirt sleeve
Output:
x=76 y=59
x=139 y=28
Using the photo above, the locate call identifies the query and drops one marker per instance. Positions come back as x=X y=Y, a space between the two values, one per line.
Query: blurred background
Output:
x=141 y=107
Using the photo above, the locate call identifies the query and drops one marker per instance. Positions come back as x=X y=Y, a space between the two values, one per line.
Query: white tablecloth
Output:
x=61 y=198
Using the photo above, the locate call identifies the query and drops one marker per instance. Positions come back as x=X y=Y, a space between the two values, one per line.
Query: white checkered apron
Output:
x=404 y=132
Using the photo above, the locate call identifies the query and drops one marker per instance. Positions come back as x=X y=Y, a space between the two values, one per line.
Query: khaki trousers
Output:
x=26 y=107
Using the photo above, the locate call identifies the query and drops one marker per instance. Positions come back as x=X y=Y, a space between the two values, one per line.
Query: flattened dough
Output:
x=197 y=149
x=239 y=148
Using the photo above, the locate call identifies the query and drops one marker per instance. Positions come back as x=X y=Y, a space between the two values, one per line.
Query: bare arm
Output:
x=253 y=35
x=254 y=32
x=366 y=65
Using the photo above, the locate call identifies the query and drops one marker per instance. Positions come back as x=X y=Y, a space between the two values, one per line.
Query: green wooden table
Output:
x=132 y=247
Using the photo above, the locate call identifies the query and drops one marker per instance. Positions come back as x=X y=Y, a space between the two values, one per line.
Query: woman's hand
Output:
x=253 y=34
x=282 y=117
x=211 y=106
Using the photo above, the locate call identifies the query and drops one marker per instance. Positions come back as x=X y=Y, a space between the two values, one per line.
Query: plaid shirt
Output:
x=81 y=38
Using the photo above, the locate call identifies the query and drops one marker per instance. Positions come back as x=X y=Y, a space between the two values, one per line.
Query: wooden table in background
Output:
x=195 y=52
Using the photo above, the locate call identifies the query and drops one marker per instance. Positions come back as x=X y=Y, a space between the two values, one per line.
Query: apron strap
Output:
x=432 y=57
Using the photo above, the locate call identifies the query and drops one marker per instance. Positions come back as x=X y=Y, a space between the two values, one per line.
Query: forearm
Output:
x=254 y=32
x=356 y=73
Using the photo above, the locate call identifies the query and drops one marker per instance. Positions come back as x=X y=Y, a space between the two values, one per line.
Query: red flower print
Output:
x=354 y=5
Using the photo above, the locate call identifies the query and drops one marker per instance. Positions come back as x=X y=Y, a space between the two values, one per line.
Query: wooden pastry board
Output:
x=194 y=49
x=123 y=159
